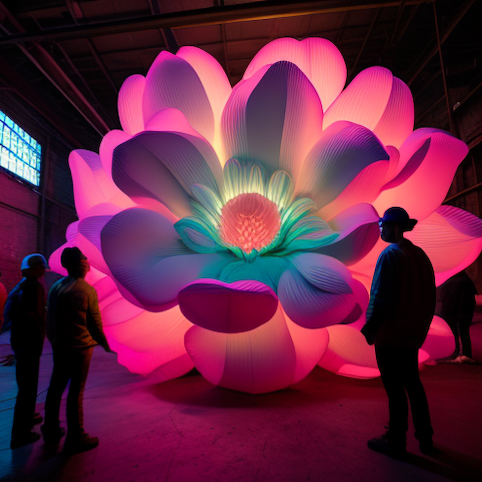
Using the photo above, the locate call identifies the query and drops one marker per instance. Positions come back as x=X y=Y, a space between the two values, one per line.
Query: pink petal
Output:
x=452 y=239
x=342 y=152
x=377 y=100
x=309 y=346
x=150 y=363
x=421 y=185
x=129 y=104
x=348 y=354
x=171 y=120
x=440 y=341
x=228 y=307
x=215 y=83
x=106 y=150
x=172 y=83
x=92 y=186
x=317 y=58
x=152 y=332
x=316 y=292
x=396 y=123
x=273 y=118
x=268 y=358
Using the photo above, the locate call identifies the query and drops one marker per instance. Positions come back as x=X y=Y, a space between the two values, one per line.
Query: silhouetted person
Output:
x=74 y=327
x=401 y=308
x=25 y=313
x=457 y=296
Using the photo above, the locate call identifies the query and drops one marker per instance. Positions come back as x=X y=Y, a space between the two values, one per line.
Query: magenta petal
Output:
x=428 y=161
x=348 y=354
x=440 y=341
x=342 y=152
x=228 y=307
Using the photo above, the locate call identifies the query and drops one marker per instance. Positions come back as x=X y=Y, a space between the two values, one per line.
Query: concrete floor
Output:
x=189 y=430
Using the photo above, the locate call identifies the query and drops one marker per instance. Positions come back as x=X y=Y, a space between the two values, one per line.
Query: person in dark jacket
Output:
x=74 y=328
x=25 y=313
x=457 y=305
x=401 y=308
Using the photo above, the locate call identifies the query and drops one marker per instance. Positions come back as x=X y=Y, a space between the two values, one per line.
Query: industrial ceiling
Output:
x=66 y=59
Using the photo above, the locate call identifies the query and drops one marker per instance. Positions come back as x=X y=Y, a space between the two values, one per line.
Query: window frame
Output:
x=22 y=155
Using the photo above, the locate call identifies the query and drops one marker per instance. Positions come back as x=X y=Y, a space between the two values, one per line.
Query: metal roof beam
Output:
x=207 y=16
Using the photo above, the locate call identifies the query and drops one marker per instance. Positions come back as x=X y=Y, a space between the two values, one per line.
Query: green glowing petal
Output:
x=207 y=198
x=297 y=210
x=280 y=189
x=266 y=269
x=232 y=179
x=255 y=182
x=240 y=178
x=310 y=232
x=198 y=236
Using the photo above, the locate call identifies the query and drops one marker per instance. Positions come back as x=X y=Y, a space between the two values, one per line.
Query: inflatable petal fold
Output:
x=342 y=152
x=173 y=83
x=273 y=118
x=228 y=308
x=148 y=259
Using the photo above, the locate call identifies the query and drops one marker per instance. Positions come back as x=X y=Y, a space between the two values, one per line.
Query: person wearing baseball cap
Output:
x=74 y=328
x=401 y=308
x=25 y=313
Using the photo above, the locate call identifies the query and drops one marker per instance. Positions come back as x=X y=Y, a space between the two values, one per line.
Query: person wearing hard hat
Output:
x=25 y=312
x=401 y=308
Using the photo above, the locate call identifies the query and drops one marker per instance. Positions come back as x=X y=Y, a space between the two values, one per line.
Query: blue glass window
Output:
x=19 y=152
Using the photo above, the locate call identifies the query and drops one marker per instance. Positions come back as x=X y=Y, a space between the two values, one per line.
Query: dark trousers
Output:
x=69 y=365
x=399 y=370
x=461 y=331
x=27 y=369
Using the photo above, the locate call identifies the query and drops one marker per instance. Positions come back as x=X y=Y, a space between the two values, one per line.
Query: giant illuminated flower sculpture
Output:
x=228 y=228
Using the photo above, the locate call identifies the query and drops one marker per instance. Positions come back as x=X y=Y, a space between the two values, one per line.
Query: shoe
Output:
x=52 y=437
x=82 y=444
x=37 y=418
x=25 y=440
x=427 y=448
x=388 y=445
x=465 y=359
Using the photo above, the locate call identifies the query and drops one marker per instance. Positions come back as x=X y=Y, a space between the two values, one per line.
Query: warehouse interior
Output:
x=62 y=64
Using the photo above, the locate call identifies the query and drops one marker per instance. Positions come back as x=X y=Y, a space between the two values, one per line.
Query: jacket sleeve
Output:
x=383 y=290
x=94 y=321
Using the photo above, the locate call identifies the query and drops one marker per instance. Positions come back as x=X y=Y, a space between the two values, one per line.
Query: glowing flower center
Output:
x=249 y=221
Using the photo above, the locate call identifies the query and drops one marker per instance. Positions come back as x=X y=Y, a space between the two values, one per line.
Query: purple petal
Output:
x=149 y=261
x=273 y=118
x=342 y=152
x=164 y=166
x=228 y=308
x=359 y=232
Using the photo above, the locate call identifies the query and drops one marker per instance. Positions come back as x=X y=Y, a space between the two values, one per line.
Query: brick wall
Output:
x=34 y=219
